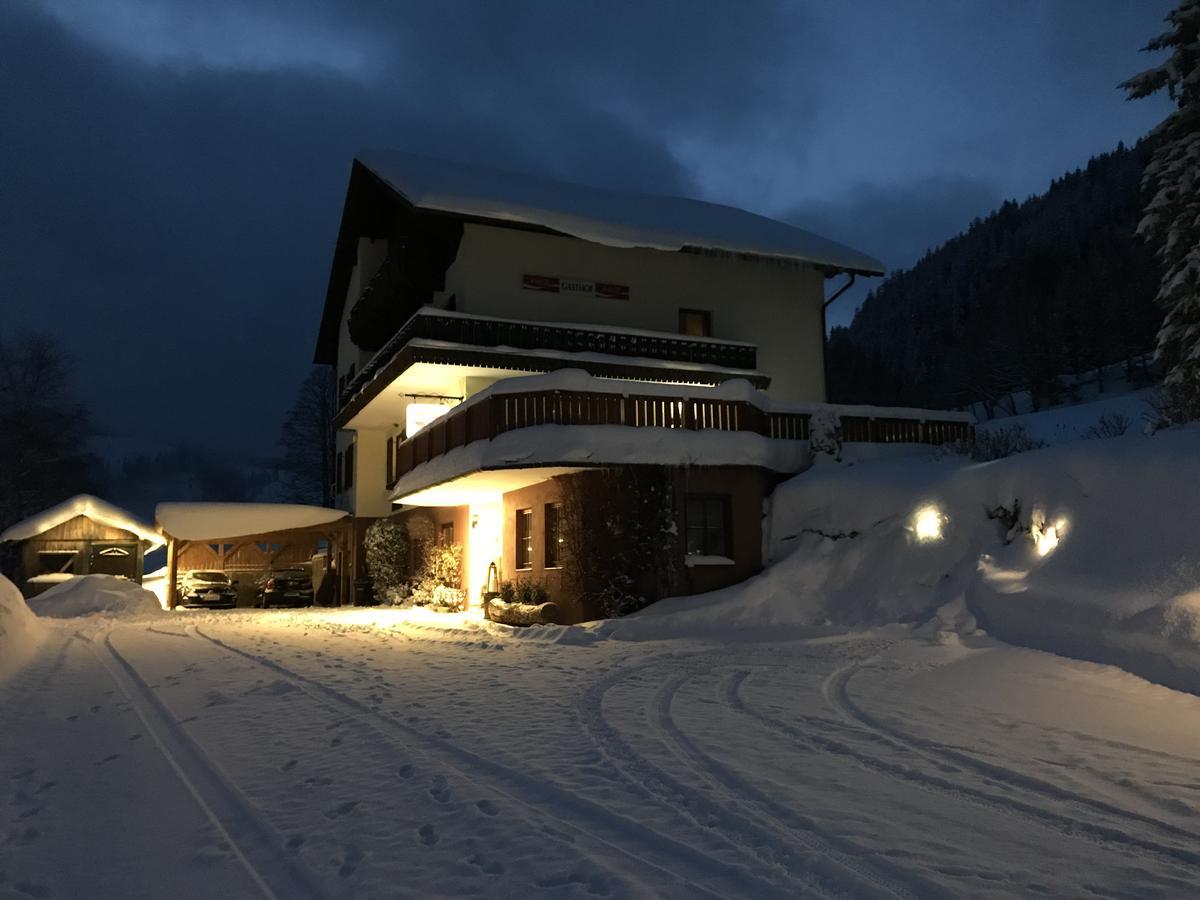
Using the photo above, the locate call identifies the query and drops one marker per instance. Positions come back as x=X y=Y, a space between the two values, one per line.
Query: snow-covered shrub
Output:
x=1109 y=426
x=524 y=590
x=997 y=443
x=440 y=571
x=825 y=433
x=387 y=548
x=620 y=537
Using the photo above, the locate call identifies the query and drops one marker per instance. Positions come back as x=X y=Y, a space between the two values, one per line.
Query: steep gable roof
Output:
x=615 y=218
x=82 y=505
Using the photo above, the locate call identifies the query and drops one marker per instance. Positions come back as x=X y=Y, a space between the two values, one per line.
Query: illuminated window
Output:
x=524 y=538
x=554 y=537
x=706 y=522
x=695 y=322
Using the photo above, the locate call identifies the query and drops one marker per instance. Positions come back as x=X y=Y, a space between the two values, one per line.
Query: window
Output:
x=706 y=521
x=391 y=462
x=446 y=534
x=524 y=538
x=348 y=468
x=554 y=538
x=695 y=322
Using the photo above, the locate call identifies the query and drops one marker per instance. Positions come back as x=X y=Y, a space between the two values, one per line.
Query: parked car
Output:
x=211 y=590
x=285 y=587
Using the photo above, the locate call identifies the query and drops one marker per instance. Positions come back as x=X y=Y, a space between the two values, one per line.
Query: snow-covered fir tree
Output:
x=1172 y=219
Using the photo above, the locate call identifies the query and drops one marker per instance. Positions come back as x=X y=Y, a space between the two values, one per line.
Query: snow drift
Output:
x=90 y=595
x=1087 y=549
x=20 y=631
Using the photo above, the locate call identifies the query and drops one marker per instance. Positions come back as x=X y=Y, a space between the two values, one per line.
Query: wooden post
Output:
x=172 y=570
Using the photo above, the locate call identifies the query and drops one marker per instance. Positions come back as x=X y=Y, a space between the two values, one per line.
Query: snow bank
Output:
x=20 y=631
x=1087 y=549
x=614 y=218
x=211 y=521
x=90 y=595
x=82 y=505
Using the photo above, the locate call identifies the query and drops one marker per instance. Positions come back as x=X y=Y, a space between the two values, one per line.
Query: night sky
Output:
x=171 y=174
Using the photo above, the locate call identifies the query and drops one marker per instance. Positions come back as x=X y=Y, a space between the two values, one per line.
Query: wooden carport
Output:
x=252 y=537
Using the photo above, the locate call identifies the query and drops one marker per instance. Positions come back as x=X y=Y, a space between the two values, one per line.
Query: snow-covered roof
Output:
x=213 y=521
x=615 y=218
x=94 y=508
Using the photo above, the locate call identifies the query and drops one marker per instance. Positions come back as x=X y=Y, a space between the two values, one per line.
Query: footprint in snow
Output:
x=46 y=786
x=487 y=807
x=32 y=889
x=428 y=835
x=353 y=856
x=134 y=737
x=23 y=774
x=440 y=791
x=296 y=841
x=289 y=765
x=487 y=866
x=405 y=771
x=109 y=758
x=336 y=742
x=339 y=811
x=72 y=718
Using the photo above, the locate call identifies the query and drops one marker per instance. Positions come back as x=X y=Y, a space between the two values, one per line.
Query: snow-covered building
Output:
x=494 y=334
x=80 y=536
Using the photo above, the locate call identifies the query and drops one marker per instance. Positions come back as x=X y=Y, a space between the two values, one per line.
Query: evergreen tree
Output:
x=1172 y=217
x=1059 y=283
x=44 y=430
x=307 y=439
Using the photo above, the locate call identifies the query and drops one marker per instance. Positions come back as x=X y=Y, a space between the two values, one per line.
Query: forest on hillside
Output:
x=1059 y=284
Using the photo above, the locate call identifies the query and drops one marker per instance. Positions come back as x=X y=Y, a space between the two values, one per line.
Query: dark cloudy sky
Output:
x=171 y=173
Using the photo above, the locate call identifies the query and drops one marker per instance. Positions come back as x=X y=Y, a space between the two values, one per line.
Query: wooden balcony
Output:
x=500 y=413
x=485 y=341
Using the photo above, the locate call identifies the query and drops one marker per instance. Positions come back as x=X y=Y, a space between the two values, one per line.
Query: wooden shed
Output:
x=248 y=539
x=81 y=536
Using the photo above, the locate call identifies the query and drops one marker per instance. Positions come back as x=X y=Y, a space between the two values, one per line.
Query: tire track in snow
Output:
x=822 y=868
x=658 y=855
x=256 y=844
x=837 y=695
x=883 y=874
x=1096 y=833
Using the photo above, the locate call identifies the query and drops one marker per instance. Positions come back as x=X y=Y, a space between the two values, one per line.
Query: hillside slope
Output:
x=1058 y=283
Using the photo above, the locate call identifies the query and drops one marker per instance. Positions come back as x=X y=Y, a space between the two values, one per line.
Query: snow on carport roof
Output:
x=81 y=505
x=214 y=521
x=615 y=218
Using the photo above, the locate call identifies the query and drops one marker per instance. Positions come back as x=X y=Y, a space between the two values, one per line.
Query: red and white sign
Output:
x=553 y=284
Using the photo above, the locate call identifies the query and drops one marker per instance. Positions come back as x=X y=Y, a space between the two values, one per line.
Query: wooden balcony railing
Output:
x=483 y=332
x=500 y=413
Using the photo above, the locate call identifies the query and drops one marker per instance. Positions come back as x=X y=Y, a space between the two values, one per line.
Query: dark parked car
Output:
x=210 y=590
x=285 y=587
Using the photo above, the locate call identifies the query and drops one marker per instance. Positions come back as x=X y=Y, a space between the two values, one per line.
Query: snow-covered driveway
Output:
x=364 y=753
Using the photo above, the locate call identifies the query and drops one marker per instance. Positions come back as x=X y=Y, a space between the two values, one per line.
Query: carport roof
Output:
x=218 y=521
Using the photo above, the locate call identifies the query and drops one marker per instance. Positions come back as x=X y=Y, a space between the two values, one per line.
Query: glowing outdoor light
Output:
x=419 y=415
x=1046 y=535
x=927 y=524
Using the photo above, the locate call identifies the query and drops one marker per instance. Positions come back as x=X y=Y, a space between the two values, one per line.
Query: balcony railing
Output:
x=500 y=413
x=485 y=332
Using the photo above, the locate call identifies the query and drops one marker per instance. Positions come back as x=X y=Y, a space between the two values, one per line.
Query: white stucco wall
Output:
x=777 y=307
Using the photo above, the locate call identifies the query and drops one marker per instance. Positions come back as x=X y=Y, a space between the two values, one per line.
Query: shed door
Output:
x=114 y=559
